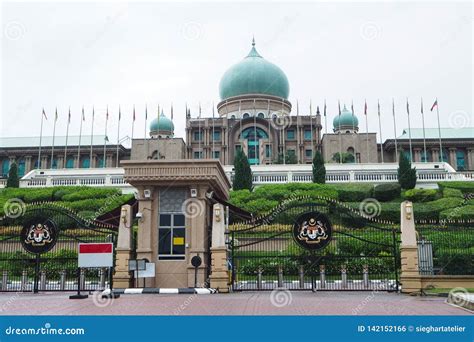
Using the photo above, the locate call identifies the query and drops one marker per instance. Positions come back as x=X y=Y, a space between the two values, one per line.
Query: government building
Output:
x=253 y=115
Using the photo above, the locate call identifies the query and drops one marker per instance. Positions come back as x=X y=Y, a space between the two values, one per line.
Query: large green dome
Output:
x=254 y=75
x=165 y=124
x=346 y=120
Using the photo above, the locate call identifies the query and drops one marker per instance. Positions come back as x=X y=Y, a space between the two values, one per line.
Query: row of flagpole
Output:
x=43 y=116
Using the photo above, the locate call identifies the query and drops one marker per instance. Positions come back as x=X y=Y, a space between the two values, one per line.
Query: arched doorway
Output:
x=253 y=135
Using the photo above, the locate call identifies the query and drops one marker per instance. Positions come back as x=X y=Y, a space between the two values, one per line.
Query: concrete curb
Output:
x=151 y=290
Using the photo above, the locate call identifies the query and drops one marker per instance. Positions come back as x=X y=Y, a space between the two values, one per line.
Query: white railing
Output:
x=262 y=174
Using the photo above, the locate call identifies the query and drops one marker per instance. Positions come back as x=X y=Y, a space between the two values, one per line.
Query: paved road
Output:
x=246 y=303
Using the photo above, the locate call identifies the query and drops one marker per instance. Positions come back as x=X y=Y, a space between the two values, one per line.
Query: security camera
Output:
x=139 y=215
x=147 y=193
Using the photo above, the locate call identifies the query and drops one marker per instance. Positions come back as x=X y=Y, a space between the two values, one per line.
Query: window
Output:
x=290 y=134
x=261 y=115
x=5 y=167
x=445 y=155
x=425 y=157
x=171 y=237
x=268 y=151
x=70 y=163
x=197 y=154
x=308 y=153
x=461 y=160
x=217 y=135
x=55 y=164
x=100 y=162
x=217 y=154
x=232 y=117
x=246 y=115
x=85 y=163
x=307 y=134
x=21 y=167
x=197 y=135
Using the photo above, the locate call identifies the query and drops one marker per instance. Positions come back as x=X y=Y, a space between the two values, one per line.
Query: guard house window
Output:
x=268 y=151
x=308 y=153
x=197 y=136
x=290 y=134
x=217 y=154
x=216 y=136
x=197 y=154
x=261 y=115
x=172 y=234
x=246 y=115
x=307 y=134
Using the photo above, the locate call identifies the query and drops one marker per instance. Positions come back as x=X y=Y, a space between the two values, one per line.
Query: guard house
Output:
x=176 y=218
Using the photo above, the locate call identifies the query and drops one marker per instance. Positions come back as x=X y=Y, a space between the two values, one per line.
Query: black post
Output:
x=37 y=271
x=78 y=295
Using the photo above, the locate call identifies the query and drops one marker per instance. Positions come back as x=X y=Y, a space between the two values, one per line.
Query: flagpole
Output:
x=213 y=130
x=255 y=130
x=353 y=131
x=79 y=145
x=395 y=130
x=92 y=137
x=240 y=119
x=367 y=132
x=298 y=132
x=409 y=132
x=269 y=133
x=200 y=136
x=54 y=135
x=105 y=138
x=118 y=139
x=424 y=136
x=311 y=126
x=340 y=135
x=67 y=136
x=146 y=138
x=158 y=135
x=380 y=130
x=133 y=123
x=439 y=134
x=43 y=114
x=283 y=133
x=326 y=128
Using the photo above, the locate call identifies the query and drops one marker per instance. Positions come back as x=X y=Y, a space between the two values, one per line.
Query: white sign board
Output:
x=96 y=254
x=149 y=271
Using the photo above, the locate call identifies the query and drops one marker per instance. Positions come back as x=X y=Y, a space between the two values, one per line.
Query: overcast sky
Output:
x=93 y=53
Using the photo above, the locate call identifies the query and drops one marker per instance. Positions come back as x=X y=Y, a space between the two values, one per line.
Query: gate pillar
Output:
x=410 y=277
x=122 y=277
x=219 y=271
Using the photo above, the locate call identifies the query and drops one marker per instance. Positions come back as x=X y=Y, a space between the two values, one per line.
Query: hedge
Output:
x=465 y=187
x=354 y=192
x=420 y=195
x=387 y=192
x=465 y=212
x=449 y=192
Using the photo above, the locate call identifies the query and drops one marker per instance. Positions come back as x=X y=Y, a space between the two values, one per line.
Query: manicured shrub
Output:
x=451 y=192
x=406 y=174
x=420 y=195
x=465 y=187
x=13 y=180
x=243 y=173
x=319 y=170
x=39 y=195
x=89 y=193
x=455 y=261
x=387 y=192
x=465 y=212
x=354 y=192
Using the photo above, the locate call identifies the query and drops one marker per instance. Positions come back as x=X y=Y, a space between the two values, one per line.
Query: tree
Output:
x=406 y=174
x=346 y=157
x=13 y=181
x=289 y=159
x=243 y=172
x=319 y=170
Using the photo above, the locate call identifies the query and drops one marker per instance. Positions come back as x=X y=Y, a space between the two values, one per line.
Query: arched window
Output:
x=246 y=115
x=261 y=115
x=21 y=167
x=54 y=164
x=70 y=163
x=5 y=167
x=253 y=136
x=86 y=163
x=461 y=160
x=232 y=117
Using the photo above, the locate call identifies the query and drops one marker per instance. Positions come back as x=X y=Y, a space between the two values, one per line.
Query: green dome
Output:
x=254 y=75
x=345 y=120
x=165 y=124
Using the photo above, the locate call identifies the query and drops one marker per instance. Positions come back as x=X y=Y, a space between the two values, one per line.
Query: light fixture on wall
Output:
x=194 y=192
x=217 y=213
x=147 y=193
x=123 y=215
x=408 y=210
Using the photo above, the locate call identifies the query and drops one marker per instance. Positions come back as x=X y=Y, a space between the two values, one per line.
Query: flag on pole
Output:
x=408 y=107
x=120 y=114
x=69 y=116
x=365 y=107
x=56 y=115
x=171 y=111
x=421 y=105
x=44 y=114
x=435 y=104
x=378 y=107
x=134 y=117
x=339 y=106
x=352 y=108
x=324 y=107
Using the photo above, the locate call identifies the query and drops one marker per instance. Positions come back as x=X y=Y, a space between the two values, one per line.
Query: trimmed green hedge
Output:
x=420 y=195
x=449 y=192
x=354 y=192
x=387 y=192
x=465 y=187
x=465 y=212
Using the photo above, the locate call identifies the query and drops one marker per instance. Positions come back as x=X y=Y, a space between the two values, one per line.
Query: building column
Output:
x=61 y=162
x=219 y=271
x=410 y=276
x=27 y=164
x=435 y=154
x=44 y=162
x=146 y=224
x=109 y=160
x=93 y=161
x=76 y=162
x=122 y=277
x=470 y=158
x=452 y=157
x=417 y=154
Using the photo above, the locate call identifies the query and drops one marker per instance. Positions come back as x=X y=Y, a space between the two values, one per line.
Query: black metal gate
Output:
x=361 y=255
x=56 y=269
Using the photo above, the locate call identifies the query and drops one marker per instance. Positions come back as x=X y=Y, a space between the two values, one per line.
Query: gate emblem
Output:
x=37 y=237
x=312 y=230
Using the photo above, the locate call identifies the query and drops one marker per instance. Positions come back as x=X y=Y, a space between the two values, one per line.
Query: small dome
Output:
x=347 y=120
x=162 y=126
x=254 y=75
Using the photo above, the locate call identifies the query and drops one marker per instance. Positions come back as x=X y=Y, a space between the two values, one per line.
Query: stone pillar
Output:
x=94 y=161
x=452 y=157
x=28 y=165
x=76 y=162
x=435 y=154
x=122 y=277
x=219 y=270
x=470 y=159
x=417 y=155
x=61 y=164
x=146 y=226
x=410 y=276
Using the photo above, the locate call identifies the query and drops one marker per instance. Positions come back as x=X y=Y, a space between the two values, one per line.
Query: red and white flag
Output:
x=435 y=104
x=96 y=254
